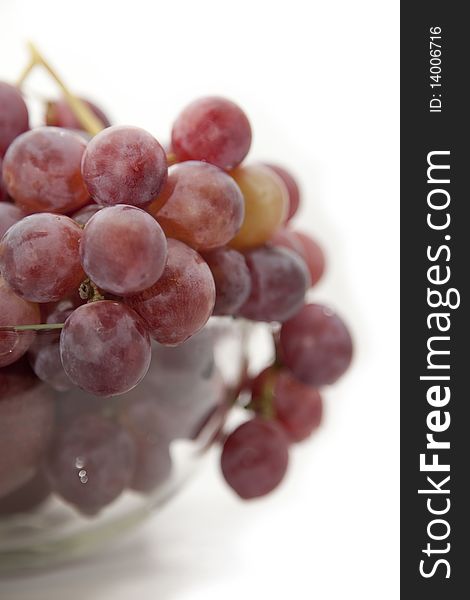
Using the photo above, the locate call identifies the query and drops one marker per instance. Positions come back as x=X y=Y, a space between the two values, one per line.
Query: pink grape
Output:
x=297 y=407
x=28 y=497
x=59 y=114
x=214 y=130
x=202 y=205
x=232 y=279
x=105 y=348
x=14 y=118
x=279 y=280
x=91 y=462
x=255 y=458
x=316 y=345
x=9 y=215
x=83 y=215
x=292 y=189
x=39 y=257
x=26 y=425
x=41 y=170
x=123 y=250
x=182 y=300
x=15 y=311
x=124 y=165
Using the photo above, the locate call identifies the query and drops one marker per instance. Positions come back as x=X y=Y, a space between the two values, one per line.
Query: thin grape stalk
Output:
x=89 y=121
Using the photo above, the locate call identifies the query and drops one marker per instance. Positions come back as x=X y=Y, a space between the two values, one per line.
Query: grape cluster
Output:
x=128 y=247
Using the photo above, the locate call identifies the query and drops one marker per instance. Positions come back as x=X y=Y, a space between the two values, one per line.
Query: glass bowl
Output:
x=76 y=469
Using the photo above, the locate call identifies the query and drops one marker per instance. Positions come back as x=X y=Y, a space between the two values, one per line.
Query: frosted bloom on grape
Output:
x=214 y=130
x=41 y=170
x=39 y=257
x=105 y=348
x=124 y=165
x=202 y=206
x=123 y=250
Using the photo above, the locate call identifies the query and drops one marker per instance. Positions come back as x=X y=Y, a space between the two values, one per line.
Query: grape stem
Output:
x=87 y=118
x=89 y=291
x=41 y=327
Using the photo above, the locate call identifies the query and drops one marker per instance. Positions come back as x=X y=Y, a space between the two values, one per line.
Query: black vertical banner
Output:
x=435 y=317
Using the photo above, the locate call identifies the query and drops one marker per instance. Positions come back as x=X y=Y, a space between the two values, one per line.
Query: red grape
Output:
x=279 y=280
x=105 y=348
x=292 y=189
x=123 y=250
x=59 y=114
x=13 y=115
x=15 y=311
x=91 y=462
x=26 y=423
x=39 y=257
x=142 y=419
x=202 y=205
x=26 y=498
x=83 y=215
x=295 y=406
x=316 y=345
x=266 y=203
x=181 y=301
x=41 y=170
x=214 y=130
x=312 y=254
x=255 y=458
x=9 y=215
x=232 y=279
x=124 y=165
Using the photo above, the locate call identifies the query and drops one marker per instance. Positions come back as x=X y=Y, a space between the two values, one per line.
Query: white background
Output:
x=319 y=81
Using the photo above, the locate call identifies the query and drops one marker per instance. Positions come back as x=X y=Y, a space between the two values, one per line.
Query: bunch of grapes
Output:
x=124 y=250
